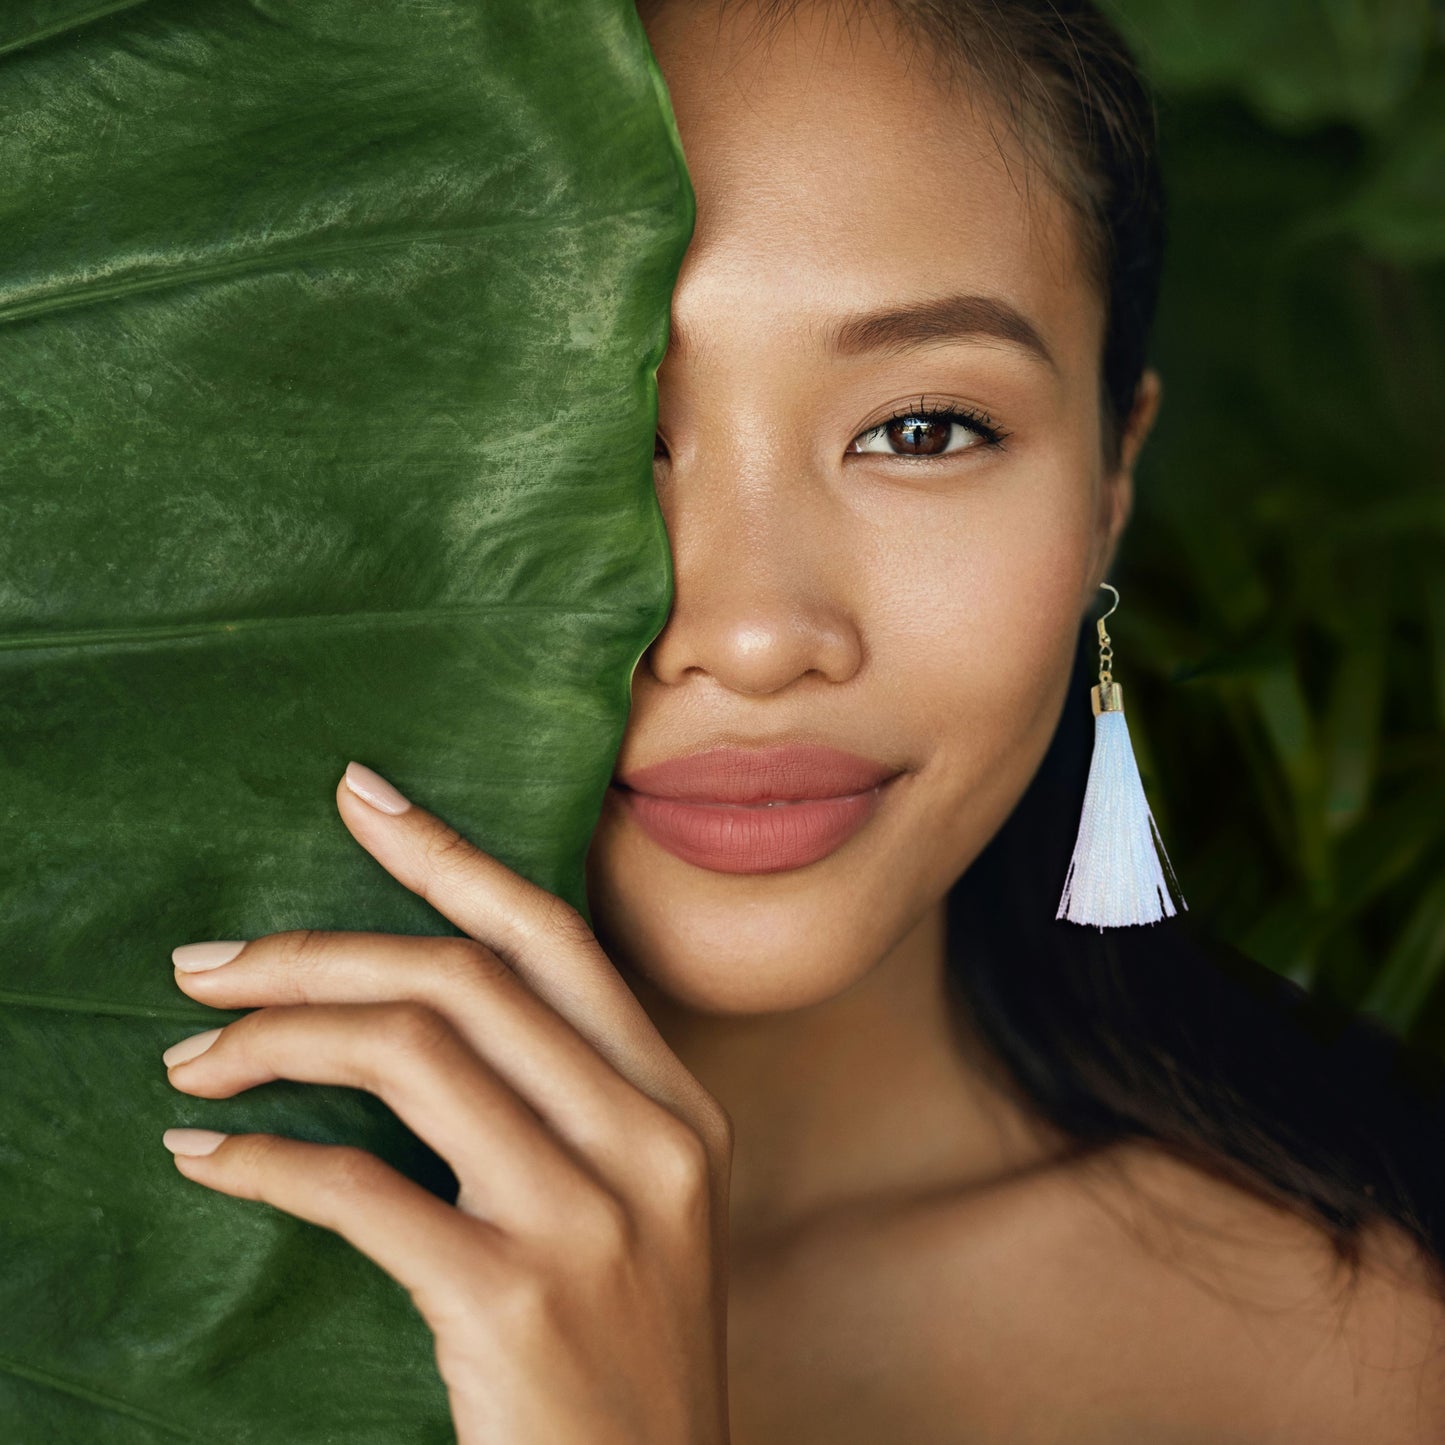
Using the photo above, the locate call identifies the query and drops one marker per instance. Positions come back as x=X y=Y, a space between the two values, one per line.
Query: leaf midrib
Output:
x=166 y=631
x=72 y=295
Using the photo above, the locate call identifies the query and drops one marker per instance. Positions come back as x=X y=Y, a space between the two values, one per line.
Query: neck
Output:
x=871 y=1094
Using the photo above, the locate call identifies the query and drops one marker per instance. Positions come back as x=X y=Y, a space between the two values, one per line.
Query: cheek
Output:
x=980 y=611
x=979 y=642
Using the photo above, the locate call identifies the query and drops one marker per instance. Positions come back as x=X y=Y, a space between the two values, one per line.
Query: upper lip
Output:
x=759 y=775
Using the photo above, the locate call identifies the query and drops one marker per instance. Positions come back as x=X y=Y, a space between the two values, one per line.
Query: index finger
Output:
x=541 y=937
x=479 y=893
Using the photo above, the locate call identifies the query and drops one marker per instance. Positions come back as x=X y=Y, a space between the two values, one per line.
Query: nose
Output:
x=764 y=594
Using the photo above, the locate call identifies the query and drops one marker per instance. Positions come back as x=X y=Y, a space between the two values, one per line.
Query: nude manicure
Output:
x=372 y=788
x=193 y=1141
x=197 y=957
x=189 y=1048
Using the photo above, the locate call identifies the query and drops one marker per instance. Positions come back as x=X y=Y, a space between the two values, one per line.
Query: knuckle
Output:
x=415 y=1028
x=602 y=1224
x=678 y=1158
x=447 y=852
x=300 y=947
x=522 y=1302
x=252 y=1153
x=350 y=1174
x=715 y=1125
x=559 y=922
x=462 y=963
x=458 y=1305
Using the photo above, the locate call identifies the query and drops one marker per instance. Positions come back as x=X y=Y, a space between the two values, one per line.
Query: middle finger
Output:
x=508 y=1164
x=531 y=1046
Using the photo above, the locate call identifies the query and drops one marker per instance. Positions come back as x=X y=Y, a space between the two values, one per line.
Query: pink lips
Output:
x=753 y=810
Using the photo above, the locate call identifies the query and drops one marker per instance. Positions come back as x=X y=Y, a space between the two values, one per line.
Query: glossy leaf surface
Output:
x=328 y=387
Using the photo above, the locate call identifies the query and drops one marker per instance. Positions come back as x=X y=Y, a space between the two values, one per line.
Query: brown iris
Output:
x=920 y=436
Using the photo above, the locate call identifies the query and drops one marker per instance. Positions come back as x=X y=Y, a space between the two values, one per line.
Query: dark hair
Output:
x=1165 y=1033
x=1160 y=1032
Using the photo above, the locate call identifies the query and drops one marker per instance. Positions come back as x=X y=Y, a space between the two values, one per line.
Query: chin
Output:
x=736 y=943
x=708 y=963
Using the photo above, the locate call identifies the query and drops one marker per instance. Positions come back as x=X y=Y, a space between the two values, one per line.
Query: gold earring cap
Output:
x=1107 y=697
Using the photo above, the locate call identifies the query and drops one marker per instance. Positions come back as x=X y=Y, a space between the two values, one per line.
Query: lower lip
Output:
x=754 y=837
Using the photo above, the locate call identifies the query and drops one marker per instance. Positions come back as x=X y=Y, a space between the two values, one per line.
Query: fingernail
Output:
x=193 y=1141
x=189 y=1048
x=197 y=957
x=372 y=788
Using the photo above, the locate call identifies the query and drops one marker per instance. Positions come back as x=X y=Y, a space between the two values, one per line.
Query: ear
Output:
x=1116 y=499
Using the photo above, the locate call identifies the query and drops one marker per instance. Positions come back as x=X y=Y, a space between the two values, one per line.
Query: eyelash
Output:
x=993 y=436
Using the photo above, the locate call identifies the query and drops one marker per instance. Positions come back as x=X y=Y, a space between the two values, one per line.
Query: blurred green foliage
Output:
x=1282 y=615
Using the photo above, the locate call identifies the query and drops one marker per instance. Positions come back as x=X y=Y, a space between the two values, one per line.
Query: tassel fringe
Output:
x=1114 y=877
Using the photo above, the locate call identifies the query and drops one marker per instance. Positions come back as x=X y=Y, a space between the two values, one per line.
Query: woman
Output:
x=831 y=1132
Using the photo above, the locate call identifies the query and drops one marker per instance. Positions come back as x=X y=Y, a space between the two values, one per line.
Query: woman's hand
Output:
x=577 y=1289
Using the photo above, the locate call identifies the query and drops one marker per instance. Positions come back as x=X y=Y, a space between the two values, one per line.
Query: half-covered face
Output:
x=879 y=460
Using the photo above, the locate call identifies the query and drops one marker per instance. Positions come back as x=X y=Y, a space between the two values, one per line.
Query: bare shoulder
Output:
x=1196 y=1301
x=1127 y=1297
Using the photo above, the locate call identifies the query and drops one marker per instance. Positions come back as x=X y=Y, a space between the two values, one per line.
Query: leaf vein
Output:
x=81 y=1392
x=165 y=631
x=71 y=22
x=72 y=296
x=60 y=1003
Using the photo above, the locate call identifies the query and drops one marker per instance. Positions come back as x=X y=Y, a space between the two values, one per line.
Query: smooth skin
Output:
x=794 y=1205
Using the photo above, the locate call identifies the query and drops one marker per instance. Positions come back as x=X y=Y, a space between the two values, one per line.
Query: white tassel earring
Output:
x=1114 y=877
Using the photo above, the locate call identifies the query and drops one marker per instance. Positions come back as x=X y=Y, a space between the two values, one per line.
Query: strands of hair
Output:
x=1167 y=1034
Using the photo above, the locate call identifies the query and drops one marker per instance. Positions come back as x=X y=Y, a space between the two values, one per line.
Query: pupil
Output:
x=918 y=435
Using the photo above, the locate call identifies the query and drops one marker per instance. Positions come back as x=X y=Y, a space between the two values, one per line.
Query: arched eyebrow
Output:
x=918 y=323
x=898 y=328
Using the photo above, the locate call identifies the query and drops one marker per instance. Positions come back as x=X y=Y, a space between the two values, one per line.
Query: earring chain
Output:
x=1106 y=647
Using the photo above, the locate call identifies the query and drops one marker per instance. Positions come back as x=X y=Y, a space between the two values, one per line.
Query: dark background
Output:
x=1281 y=632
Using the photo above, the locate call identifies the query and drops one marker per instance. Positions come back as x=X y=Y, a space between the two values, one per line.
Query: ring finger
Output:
x=511 y=1169
x=531 y=1046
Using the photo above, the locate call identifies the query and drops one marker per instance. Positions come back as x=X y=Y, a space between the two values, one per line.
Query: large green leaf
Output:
x=328 y=378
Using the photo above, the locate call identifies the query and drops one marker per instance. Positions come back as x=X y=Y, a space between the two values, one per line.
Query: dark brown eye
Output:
x=927 y=432
x=918 y=436
x=911 y=436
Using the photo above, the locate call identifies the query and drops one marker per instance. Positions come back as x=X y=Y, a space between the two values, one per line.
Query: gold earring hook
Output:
x=1112 y=696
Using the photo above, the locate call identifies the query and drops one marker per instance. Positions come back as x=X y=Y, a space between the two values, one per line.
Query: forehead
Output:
x=835 y=172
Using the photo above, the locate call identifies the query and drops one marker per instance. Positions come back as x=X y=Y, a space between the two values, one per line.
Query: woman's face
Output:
x=908 y=593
